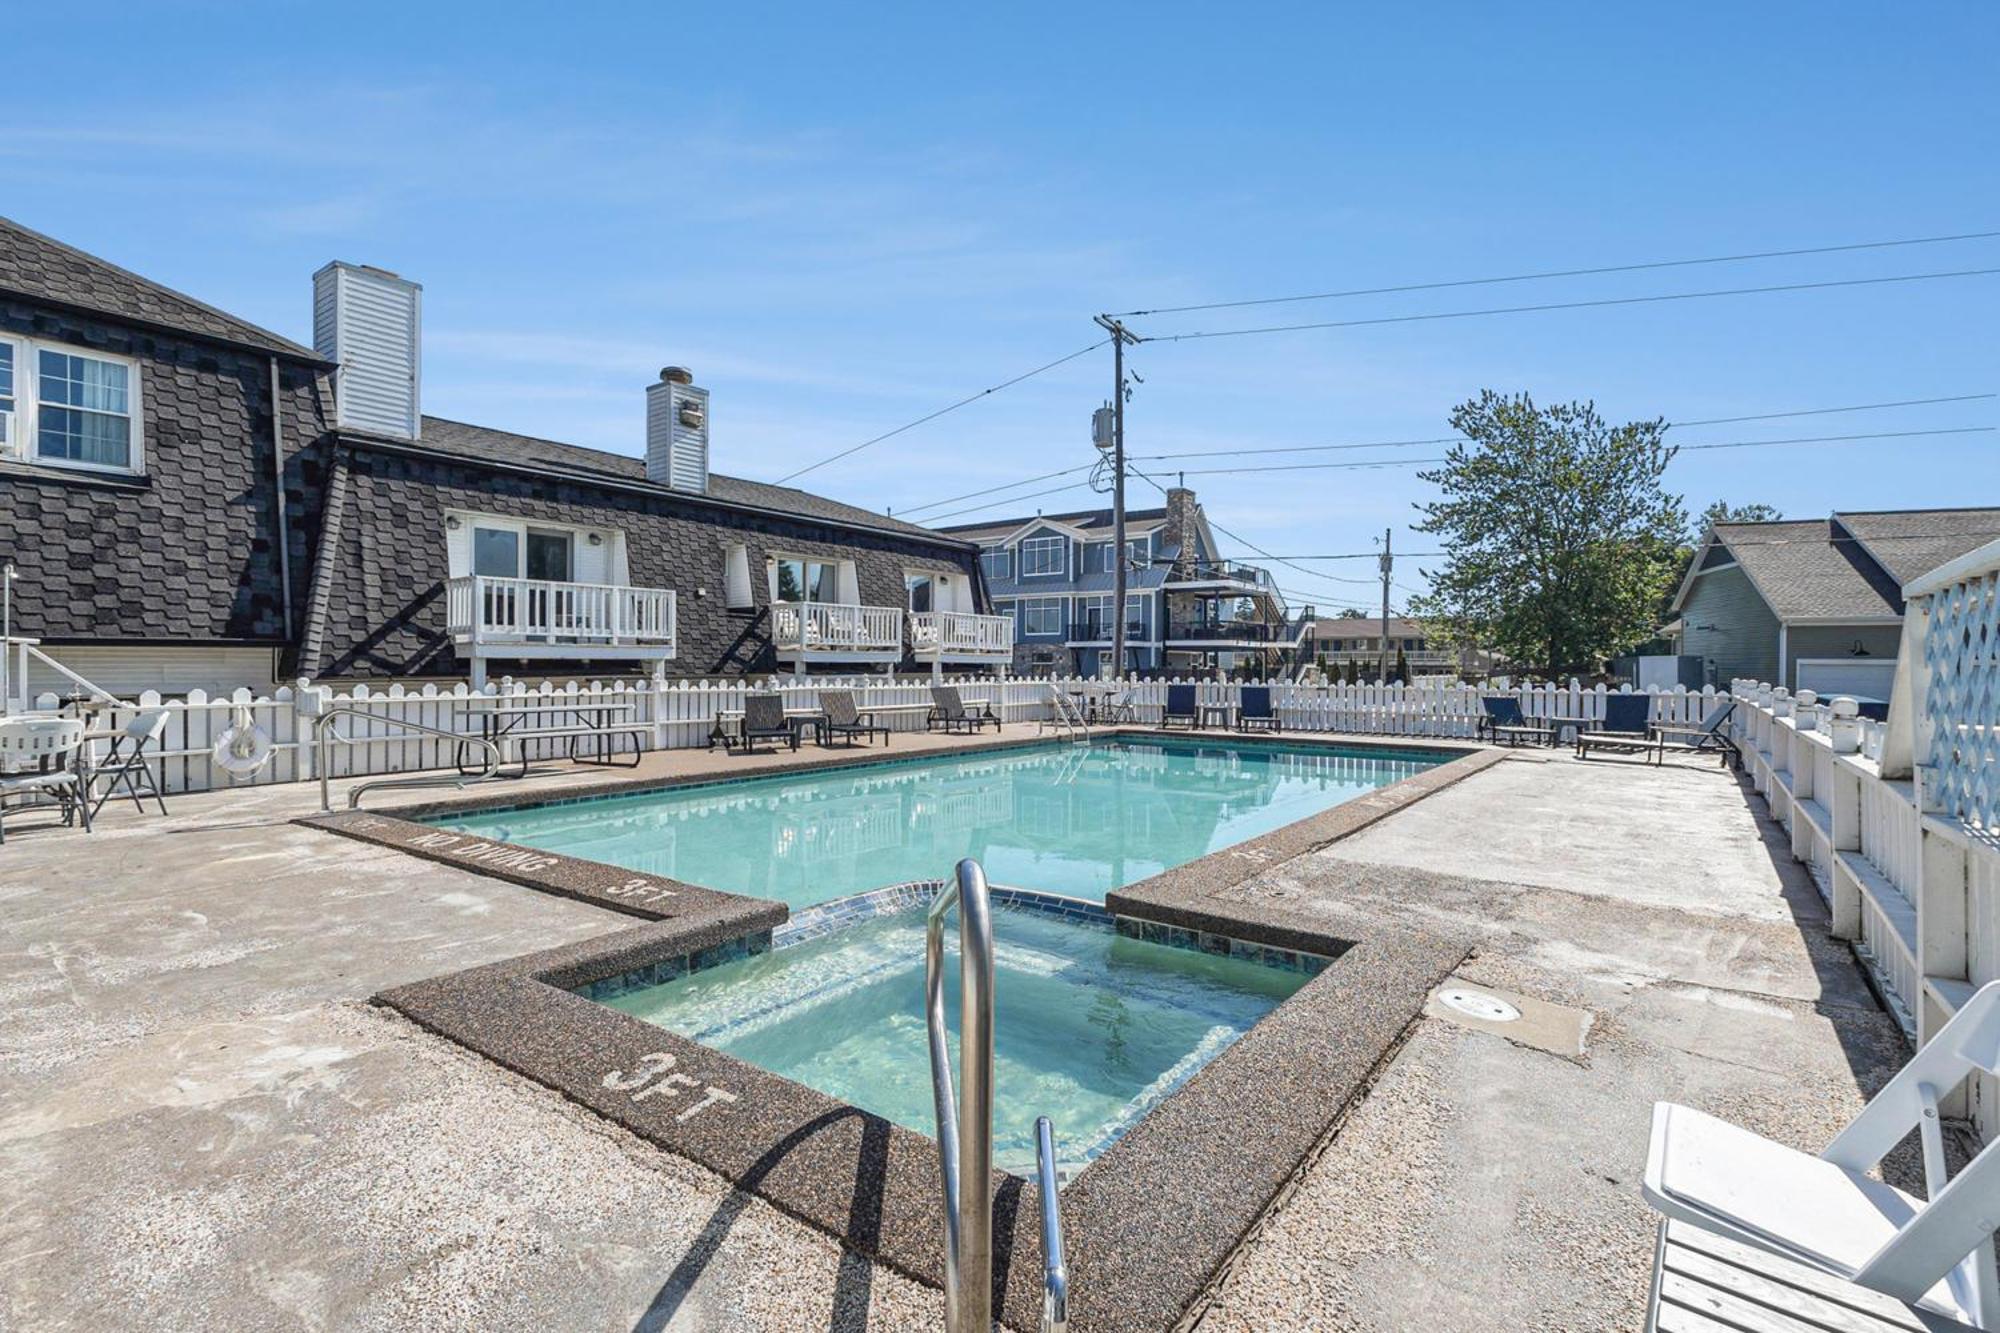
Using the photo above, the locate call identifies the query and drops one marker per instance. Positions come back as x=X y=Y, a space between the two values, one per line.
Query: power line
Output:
x=1025 y=481
x=973 y=398
x=1566 y=273
x=1445 y=439
x=1685 y=448
x=1241 y=540
x=1825 y=411
x=1568 y=305
x=1031 y=495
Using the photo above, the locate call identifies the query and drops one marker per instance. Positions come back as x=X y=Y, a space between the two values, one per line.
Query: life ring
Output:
x=243 y=750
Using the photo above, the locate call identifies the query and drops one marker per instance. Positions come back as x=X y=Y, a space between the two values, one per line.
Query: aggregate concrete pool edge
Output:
x=1148 y=1225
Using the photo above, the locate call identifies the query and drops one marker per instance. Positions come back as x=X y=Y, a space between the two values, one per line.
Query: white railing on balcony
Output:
x=831 y=627
x=482 y=609
x=961 y=632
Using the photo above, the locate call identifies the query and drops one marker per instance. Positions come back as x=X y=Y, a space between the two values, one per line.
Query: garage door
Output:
x=1863 y=677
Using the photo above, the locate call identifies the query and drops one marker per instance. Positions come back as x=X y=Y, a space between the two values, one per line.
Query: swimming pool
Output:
x=1091 y=1028
x=1059 y=818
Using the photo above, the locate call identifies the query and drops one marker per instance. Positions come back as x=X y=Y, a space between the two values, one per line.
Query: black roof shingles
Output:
x=487 y=444
x=39 y=267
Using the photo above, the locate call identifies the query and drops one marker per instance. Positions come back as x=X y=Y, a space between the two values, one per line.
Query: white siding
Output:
x=676 y=453
x=369 y=321
x=129 y=670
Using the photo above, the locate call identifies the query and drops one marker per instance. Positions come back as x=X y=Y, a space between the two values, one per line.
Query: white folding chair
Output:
x=43 y=741
x=1826 y=1212
x=128 y=768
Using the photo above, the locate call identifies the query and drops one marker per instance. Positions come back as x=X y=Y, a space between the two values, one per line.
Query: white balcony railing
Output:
x=961 y=633
x=484 y=610
x=833 y=629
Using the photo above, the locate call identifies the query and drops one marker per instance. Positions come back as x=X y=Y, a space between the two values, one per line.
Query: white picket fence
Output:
x=681 y=714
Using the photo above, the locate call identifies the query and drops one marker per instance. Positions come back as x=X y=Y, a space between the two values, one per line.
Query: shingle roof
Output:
x=1808 y=570
x=485 y=443
x=37 y=267
x=1366 y=627
x=1088 y=519
x=1910 y=543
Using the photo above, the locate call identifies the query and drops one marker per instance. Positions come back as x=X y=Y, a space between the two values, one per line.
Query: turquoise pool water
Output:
x=1091 y=1029
x=1060 y=818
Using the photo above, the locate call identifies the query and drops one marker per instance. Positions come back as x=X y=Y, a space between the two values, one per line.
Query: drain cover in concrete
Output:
x=1477 y=1004
x=1521 y=1019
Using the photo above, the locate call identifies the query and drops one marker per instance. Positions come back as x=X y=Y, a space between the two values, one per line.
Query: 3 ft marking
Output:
x=655 y=1076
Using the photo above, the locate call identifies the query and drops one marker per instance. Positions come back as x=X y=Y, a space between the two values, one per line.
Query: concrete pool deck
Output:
x=204 y=1124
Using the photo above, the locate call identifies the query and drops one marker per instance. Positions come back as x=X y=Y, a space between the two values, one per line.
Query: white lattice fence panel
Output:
x=1962 y=703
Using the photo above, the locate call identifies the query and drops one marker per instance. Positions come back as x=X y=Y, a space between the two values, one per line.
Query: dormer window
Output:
x=1042 y=556
x=68 y=408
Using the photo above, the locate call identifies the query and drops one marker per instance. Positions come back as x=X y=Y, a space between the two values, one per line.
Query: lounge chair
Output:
x=48 y=741
x=764 y=720
x=1502 y=717
x=1255 y=713
x=1691 y=738
x=1625 y=730
x=1180 y=707
x=1827 y=1212
x=844 y=719
x=949 y=713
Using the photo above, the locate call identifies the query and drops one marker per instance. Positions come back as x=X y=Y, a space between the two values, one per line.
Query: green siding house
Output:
x=1815 y=603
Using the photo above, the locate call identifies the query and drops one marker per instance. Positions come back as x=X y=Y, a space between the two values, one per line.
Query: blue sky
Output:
x=843 y=220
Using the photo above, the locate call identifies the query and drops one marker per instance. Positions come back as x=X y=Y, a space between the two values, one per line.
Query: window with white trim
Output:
x=1042 y=615
x=66 y=407
x=998 y=562
x=1042 y=556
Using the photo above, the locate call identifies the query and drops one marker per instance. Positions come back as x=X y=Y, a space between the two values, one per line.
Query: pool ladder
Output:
x=1068 y=717
x=965 y=1119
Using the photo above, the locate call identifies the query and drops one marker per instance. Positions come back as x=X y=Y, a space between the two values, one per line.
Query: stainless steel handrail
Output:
x=321 y=756
x=1055 y=1271
x=965 y=1127
x=964 y=1113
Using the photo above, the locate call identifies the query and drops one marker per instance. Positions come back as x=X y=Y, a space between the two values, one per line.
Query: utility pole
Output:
x=1388 y=562
x=1119 y=337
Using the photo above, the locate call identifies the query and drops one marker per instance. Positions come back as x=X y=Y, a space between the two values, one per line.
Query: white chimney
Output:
x=677 y=432
x=369 y=321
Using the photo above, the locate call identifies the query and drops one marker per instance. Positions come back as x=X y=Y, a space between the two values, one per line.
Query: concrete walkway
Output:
x=203 y=1124
x=1486 y=1184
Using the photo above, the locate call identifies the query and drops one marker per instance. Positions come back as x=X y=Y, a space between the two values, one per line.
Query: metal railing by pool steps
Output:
x=965 y=1118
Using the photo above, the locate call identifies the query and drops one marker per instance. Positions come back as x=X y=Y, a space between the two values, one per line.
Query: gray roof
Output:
x=1366 y=627
x=39 y=268
x=484 y=443
x=1910 y=543
x=1087 y=519
x=1809 y=570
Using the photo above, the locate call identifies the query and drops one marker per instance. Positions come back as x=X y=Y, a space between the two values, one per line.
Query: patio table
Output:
x=505 y=723
x=1221 y=715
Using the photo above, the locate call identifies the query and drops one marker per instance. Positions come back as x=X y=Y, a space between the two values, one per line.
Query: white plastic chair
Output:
x=42 y=741
x=1824 y=1211
x=128 y=768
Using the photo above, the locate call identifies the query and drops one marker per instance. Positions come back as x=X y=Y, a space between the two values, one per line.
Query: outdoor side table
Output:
x=1576 y=726
x=1220 y=716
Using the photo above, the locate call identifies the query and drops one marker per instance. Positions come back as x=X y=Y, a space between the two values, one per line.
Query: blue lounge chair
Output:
x=1180 y=707
x=1255 y=714
x=1626 y=729
x=1503 y=718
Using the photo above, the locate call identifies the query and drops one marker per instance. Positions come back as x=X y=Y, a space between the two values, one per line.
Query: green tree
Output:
x=1402 y=666
x=1561 y=539
x=1352 y=613
x=1724 y=512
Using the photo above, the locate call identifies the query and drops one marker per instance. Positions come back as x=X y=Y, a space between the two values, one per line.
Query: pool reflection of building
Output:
x=999 y=804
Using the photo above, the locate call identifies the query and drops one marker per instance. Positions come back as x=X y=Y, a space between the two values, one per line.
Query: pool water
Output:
x=1061 y=818
x=1091 y=1028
